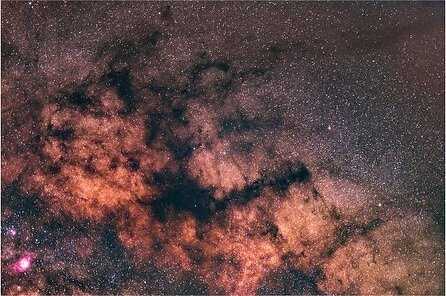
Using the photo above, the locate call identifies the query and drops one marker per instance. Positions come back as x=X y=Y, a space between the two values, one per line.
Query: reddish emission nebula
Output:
x=230 y=148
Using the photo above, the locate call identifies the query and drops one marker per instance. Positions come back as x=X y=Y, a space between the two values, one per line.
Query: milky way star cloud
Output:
x=230 y=148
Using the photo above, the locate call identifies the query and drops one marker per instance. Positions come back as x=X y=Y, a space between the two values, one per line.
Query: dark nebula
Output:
x=273 y=148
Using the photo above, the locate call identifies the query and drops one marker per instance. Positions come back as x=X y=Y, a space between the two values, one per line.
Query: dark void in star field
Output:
x=222 y=148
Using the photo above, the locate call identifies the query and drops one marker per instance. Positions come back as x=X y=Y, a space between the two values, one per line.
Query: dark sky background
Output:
x=222 y=148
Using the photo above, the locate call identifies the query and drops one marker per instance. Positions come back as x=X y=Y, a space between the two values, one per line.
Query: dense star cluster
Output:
x=222 y=148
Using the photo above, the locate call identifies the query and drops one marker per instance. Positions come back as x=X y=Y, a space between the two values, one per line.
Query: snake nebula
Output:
x=230 y=148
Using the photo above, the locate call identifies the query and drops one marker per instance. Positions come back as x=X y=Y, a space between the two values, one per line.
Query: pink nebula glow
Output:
x=24 y=263
x=12 y=232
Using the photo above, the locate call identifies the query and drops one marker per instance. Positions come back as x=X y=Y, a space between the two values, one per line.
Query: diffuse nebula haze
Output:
x=222 y=148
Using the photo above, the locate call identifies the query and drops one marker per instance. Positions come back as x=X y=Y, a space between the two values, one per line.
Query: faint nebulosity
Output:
x=222 y=148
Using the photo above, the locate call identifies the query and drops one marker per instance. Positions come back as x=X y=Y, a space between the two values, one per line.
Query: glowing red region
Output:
x=24 y=263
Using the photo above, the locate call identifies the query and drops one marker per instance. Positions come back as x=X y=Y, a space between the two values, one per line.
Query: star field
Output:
x=222 y=148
